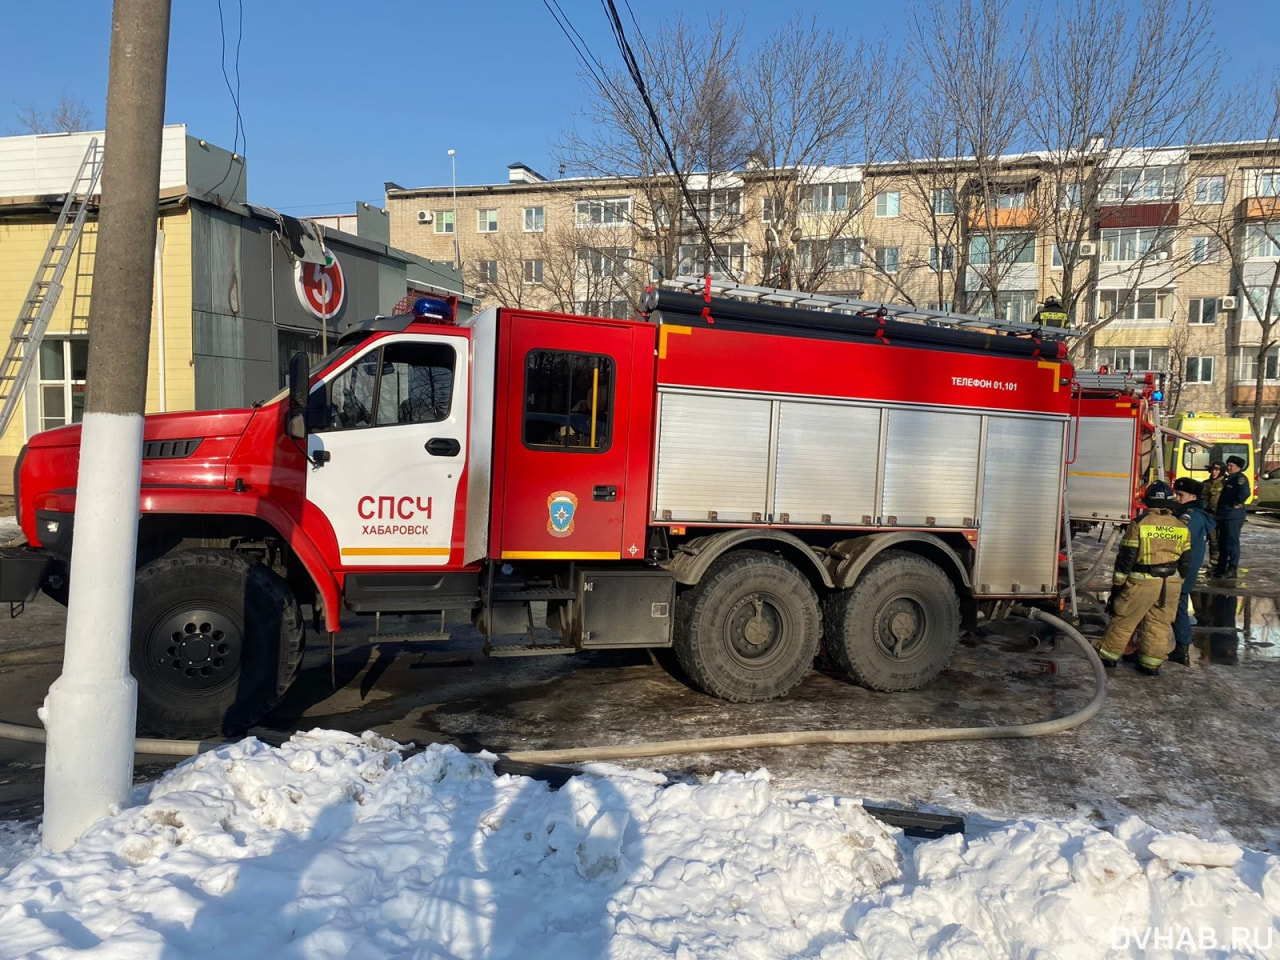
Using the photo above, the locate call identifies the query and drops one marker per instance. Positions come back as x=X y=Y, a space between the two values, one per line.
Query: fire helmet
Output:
x=1158 y=494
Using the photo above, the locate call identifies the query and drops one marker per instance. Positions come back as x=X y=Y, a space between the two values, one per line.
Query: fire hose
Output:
x=1039 y=728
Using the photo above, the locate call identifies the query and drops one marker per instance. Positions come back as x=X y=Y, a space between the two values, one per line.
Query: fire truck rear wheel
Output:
x=217 y=639
x=897 y=626
x=749 y=630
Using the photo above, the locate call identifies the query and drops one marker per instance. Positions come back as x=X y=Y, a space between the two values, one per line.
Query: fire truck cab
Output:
x=741 y=481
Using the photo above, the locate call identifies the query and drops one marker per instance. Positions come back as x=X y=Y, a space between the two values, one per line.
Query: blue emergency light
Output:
x=1157 y=396
x=433 y=308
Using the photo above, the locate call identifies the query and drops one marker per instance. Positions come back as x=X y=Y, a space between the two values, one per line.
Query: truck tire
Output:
x=217 y=640
x=749 y=630
x=897 y=626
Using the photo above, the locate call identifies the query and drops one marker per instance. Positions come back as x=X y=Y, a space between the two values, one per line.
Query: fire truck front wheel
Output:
x=897 y=626
x=217 y=639
x=749 y=630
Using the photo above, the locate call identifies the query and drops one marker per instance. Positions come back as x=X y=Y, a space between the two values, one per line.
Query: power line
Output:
x=238 y=136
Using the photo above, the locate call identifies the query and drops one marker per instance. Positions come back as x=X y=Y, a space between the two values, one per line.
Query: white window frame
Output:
x=1142 y=242
x=1004 y=241
x=828 y=197
x=602 y=212
x=1069 y=196
x=733 y=256
x=1261 y=241
x=1141 y=185
x=838 y=253
x=942 y=259
x=1198 y=308
x=487 y=220
x=70 y=386
x=1211 y=189
x=1265 y=183
x=1205 y=249
x=487 y=271
x=444 y=221
x=888 y=204
x=603 y=263
x=1247 y=365
x=943 y=200
x=1138 y=358
x=770 y=209
x=888 y=259
x=1156 y=301
x=535 y=219
x=533 y=273
x=1198 y=370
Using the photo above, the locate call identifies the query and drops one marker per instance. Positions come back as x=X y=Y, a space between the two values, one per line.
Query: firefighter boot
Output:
x=1148 y=671
x=1180 y=654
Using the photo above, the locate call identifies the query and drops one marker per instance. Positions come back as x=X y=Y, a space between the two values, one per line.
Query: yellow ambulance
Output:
x=1206 y=437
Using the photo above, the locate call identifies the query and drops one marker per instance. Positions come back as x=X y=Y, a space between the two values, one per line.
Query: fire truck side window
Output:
x=400 y=383
x=568 y=401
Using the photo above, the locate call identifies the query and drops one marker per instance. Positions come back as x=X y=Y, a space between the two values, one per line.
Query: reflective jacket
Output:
x=1157 y=545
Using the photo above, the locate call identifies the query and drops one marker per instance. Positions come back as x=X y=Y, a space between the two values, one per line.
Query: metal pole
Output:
x=457 y=255
x=91 y=708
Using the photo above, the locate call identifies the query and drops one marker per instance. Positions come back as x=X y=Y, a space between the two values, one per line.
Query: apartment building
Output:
x=1165 y=257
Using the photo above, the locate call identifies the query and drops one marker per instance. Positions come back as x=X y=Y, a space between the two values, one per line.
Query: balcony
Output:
x=1242 y=395
x=1259 y=208
x=1138 y=215
x=1003 y=218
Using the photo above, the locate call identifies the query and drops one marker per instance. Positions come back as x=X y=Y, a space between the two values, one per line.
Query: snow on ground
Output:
x=339 y=846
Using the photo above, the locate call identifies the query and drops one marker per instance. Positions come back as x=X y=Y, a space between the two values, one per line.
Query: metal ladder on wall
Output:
x=46 y=287
x=838 y=304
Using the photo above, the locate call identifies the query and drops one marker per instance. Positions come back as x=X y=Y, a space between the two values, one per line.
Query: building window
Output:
x=568 y=403
x=605 y=212
x=946 y=306
x=724 y=205
x=444 y=221
x=1261 y=241
x=730 y=261
x=944 y=202
x=1120 y=359
x=1205 y=250
x=1141 y=184
x=533 y=271
x=829 y=198
x=535 y=220
x=942 y=258
x=657 y=269
x=63 y=365
x=1202 y=310
x=1211 y=189
x=842 y=253
x=770 y=209
x=1135 y=304
x=888 y=203
x=486 y=221
x=1009 y=199
x=1248 y=364
x=1019 y=247
x=1016 y=306
x=1258 y=296
x=1199 y=370
x=1127 y=245
x=1266 y=183
x=887 y=259
x=486 y=271
x=399 y=383
x=1069 y=196
x=603 y=263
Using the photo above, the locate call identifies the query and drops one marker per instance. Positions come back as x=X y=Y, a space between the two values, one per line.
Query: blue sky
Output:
x=338 y=96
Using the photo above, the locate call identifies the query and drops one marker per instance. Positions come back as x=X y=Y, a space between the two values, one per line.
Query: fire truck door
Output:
x=566 y=418
x=389 y=461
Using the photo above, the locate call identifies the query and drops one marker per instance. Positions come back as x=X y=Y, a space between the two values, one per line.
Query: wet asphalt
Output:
x=1194 y=748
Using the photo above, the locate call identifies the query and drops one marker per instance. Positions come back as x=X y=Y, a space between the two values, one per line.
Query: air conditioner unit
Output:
x=425 y=216
x=1088 y=248
x=1227 y=303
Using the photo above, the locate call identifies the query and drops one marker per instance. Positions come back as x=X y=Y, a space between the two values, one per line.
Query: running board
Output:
x=531 y=650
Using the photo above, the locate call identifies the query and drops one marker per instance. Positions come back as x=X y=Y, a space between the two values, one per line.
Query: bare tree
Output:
x=813 y=107
x=67 y=115
x=954 y=137
x=1112 y=92
x=690 y=81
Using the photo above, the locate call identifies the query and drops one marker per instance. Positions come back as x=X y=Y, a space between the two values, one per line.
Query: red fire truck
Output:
x=1110 y=452
x=740 y=479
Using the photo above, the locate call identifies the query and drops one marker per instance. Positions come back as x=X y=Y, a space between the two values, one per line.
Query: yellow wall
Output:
x=22 y=246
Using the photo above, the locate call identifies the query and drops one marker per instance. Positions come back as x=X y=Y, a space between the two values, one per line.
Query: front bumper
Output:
x=22 y=571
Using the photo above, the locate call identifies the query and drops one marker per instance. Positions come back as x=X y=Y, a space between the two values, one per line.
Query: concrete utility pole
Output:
x=91 y=708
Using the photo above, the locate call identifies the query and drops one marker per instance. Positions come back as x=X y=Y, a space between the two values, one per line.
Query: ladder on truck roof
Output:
x=1121 y=381
x=46 y=287
x=838 y=304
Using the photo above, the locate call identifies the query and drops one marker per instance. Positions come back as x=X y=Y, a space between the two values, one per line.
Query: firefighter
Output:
x=1154 y=557
x=1212 y=491
x=1200 y=525
x=1230 y=515
x=1051 y=314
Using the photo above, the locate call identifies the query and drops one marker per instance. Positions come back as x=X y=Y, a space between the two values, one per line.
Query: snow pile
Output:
x=336 y=846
